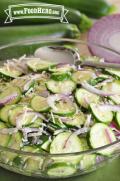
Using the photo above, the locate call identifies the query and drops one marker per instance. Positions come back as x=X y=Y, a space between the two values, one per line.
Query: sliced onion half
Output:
x=106 y=32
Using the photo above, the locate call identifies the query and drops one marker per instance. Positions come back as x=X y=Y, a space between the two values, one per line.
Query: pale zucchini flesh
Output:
x=64 y=108
x=113 y=87
x=61 y=169
x=39 y=104
x=101 y=114
x=37 y=64
x=62 y=87
x=85 y=98
x=10 y=95
x=101 y=135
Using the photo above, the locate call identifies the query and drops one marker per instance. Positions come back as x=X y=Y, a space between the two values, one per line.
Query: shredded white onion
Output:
x=82 y=130
x=88 y=121
x=20 y=119
x=35 y=134
x=51 y=101
x=27 y=85
x=17 y=64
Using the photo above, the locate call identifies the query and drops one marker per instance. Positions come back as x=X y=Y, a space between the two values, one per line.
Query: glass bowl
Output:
x=40 y=164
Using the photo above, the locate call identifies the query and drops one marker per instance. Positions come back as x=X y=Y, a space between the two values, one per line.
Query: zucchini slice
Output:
x=27 y=162
x=81 y=76
x=64 y=108
x=14 y=143
x=38 y=65
x=101 y=135
x=3 y=85
x=2 y=125
x=23 y=116
x=4 y=138
x=85 y=98
x=29 y=148
x=113 y=72
x=39 y=104
x=4 y=112
x=77 y=120
x=68 y=143
x=113 y=87
x=63 y=87
x=61 y=169
x=118 y=118
x=14 y=113
x=10 y=95
x=32 y=164
x=23 y=83
x=102 y=115
x=88 y=161
x=9 y=72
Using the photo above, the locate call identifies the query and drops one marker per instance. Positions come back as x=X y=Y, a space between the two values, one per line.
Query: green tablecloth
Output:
x=109 y=172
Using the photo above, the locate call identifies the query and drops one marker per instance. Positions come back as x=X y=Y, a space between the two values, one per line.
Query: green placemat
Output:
x=109 y=172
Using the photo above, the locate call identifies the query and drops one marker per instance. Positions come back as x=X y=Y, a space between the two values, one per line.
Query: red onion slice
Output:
x=7 y=99
x=108 y=136
x=88 y=121
x=93 y=90
x=106 y=32
x=110 y=107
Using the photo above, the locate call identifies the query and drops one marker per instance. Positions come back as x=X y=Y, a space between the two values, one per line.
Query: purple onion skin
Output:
x=100 y=34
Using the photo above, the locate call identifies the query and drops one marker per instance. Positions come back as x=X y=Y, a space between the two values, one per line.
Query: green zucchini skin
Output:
x=14 y=34
x=92 y=8
x=117 y=118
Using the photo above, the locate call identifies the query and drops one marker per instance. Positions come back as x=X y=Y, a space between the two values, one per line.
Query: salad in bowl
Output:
x=59 y=111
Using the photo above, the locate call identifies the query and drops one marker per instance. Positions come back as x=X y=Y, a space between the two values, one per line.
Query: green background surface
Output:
x=109 y=172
